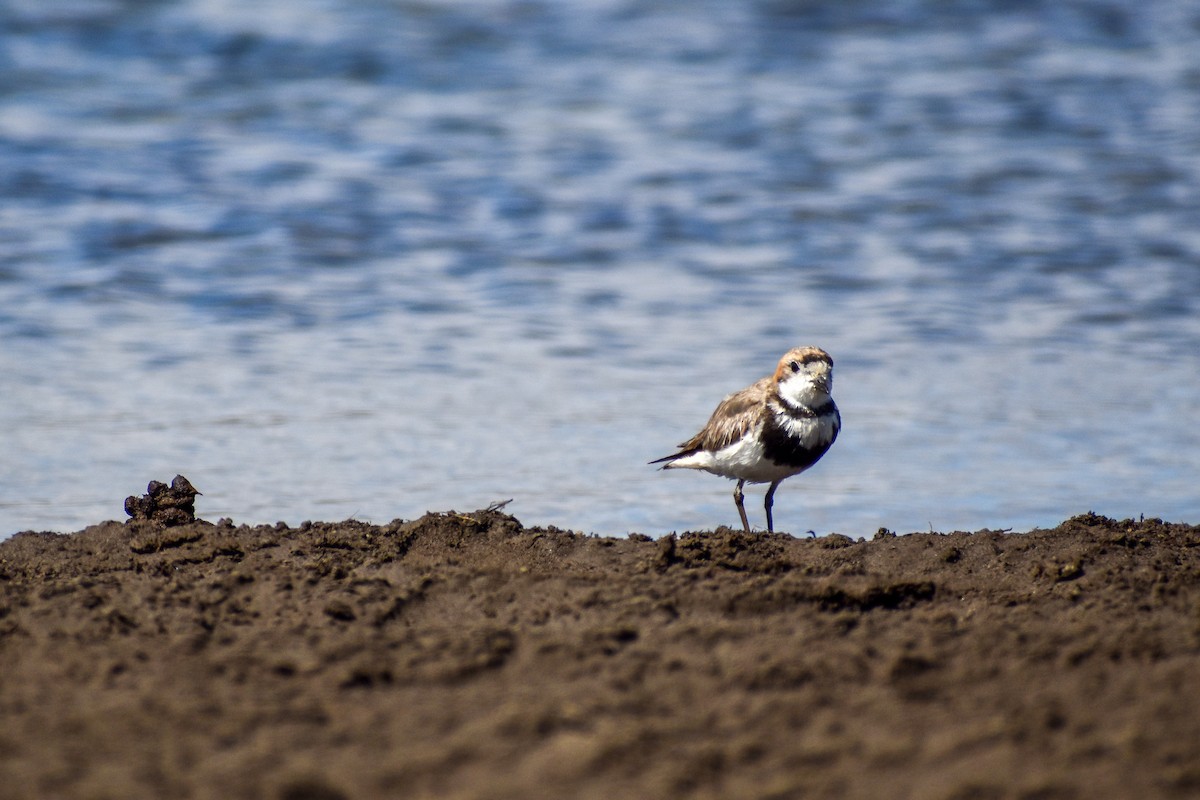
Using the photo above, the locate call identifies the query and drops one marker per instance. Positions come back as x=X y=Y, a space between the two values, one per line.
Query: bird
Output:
x=771 y=430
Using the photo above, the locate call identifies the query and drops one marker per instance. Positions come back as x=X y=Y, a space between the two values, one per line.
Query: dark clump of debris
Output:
x=164 y=505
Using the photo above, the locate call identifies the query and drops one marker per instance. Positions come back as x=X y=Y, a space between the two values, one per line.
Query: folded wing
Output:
x=731 y=420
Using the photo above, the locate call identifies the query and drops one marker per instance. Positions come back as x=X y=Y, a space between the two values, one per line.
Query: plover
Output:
x=772 y=430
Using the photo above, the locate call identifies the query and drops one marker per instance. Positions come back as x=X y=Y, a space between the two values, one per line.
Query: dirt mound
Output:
x=463 y=655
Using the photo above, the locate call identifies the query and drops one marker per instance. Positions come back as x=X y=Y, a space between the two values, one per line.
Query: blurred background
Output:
x=368 y=258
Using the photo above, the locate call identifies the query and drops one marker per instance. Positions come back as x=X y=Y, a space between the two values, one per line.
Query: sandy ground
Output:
x=463 y=655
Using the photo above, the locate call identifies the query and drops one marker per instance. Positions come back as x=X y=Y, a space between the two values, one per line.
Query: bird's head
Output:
x=805 y=376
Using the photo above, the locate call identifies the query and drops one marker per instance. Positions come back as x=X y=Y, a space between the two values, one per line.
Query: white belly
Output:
x=742 y=460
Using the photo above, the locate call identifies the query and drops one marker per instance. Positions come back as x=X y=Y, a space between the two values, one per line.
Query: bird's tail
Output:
x=669 y=461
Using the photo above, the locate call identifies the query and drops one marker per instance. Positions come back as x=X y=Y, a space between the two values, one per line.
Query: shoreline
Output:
x=464 y=655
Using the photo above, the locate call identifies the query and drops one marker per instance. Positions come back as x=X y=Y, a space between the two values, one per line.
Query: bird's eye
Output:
x=794 y=365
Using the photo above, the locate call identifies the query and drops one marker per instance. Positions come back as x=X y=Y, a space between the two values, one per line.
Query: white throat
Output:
x=800 y=390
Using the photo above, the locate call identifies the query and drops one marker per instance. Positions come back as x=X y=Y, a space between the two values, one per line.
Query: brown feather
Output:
x=732 y=418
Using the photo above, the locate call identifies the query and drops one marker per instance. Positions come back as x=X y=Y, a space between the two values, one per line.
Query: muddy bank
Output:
x=463 y=655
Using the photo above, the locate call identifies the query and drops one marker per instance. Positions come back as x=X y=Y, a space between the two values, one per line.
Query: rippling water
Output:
x=333 y=259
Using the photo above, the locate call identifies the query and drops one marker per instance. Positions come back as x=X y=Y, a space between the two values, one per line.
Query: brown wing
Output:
x=731 y=420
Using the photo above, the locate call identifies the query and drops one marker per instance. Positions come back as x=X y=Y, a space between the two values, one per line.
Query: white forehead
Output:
x=815 y=366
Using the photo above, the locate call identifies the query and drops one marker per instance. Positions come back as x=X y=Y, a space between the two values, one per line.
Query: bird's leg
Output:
x=767 y=503
x=737 y=498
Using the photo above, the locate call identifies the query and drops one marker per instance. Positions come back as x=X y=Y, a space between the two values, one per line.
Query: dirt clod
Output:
x=164 y=505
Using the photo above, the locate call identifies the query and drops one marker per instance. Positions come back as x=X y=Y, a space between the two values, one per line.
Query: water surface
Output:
x=333 y=259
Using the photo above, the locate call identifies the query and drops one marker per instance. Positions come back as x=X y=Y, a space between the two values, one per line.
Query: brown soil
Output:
x=465 y=656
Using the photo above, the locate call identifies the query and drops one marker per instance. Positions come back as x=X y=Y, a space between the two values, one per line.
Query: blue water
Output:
x=333 y=258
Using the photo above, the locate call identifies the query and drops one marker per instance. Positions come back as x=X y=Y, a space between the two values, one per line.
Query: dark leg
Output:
x=767 y=503
x=737 y=498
